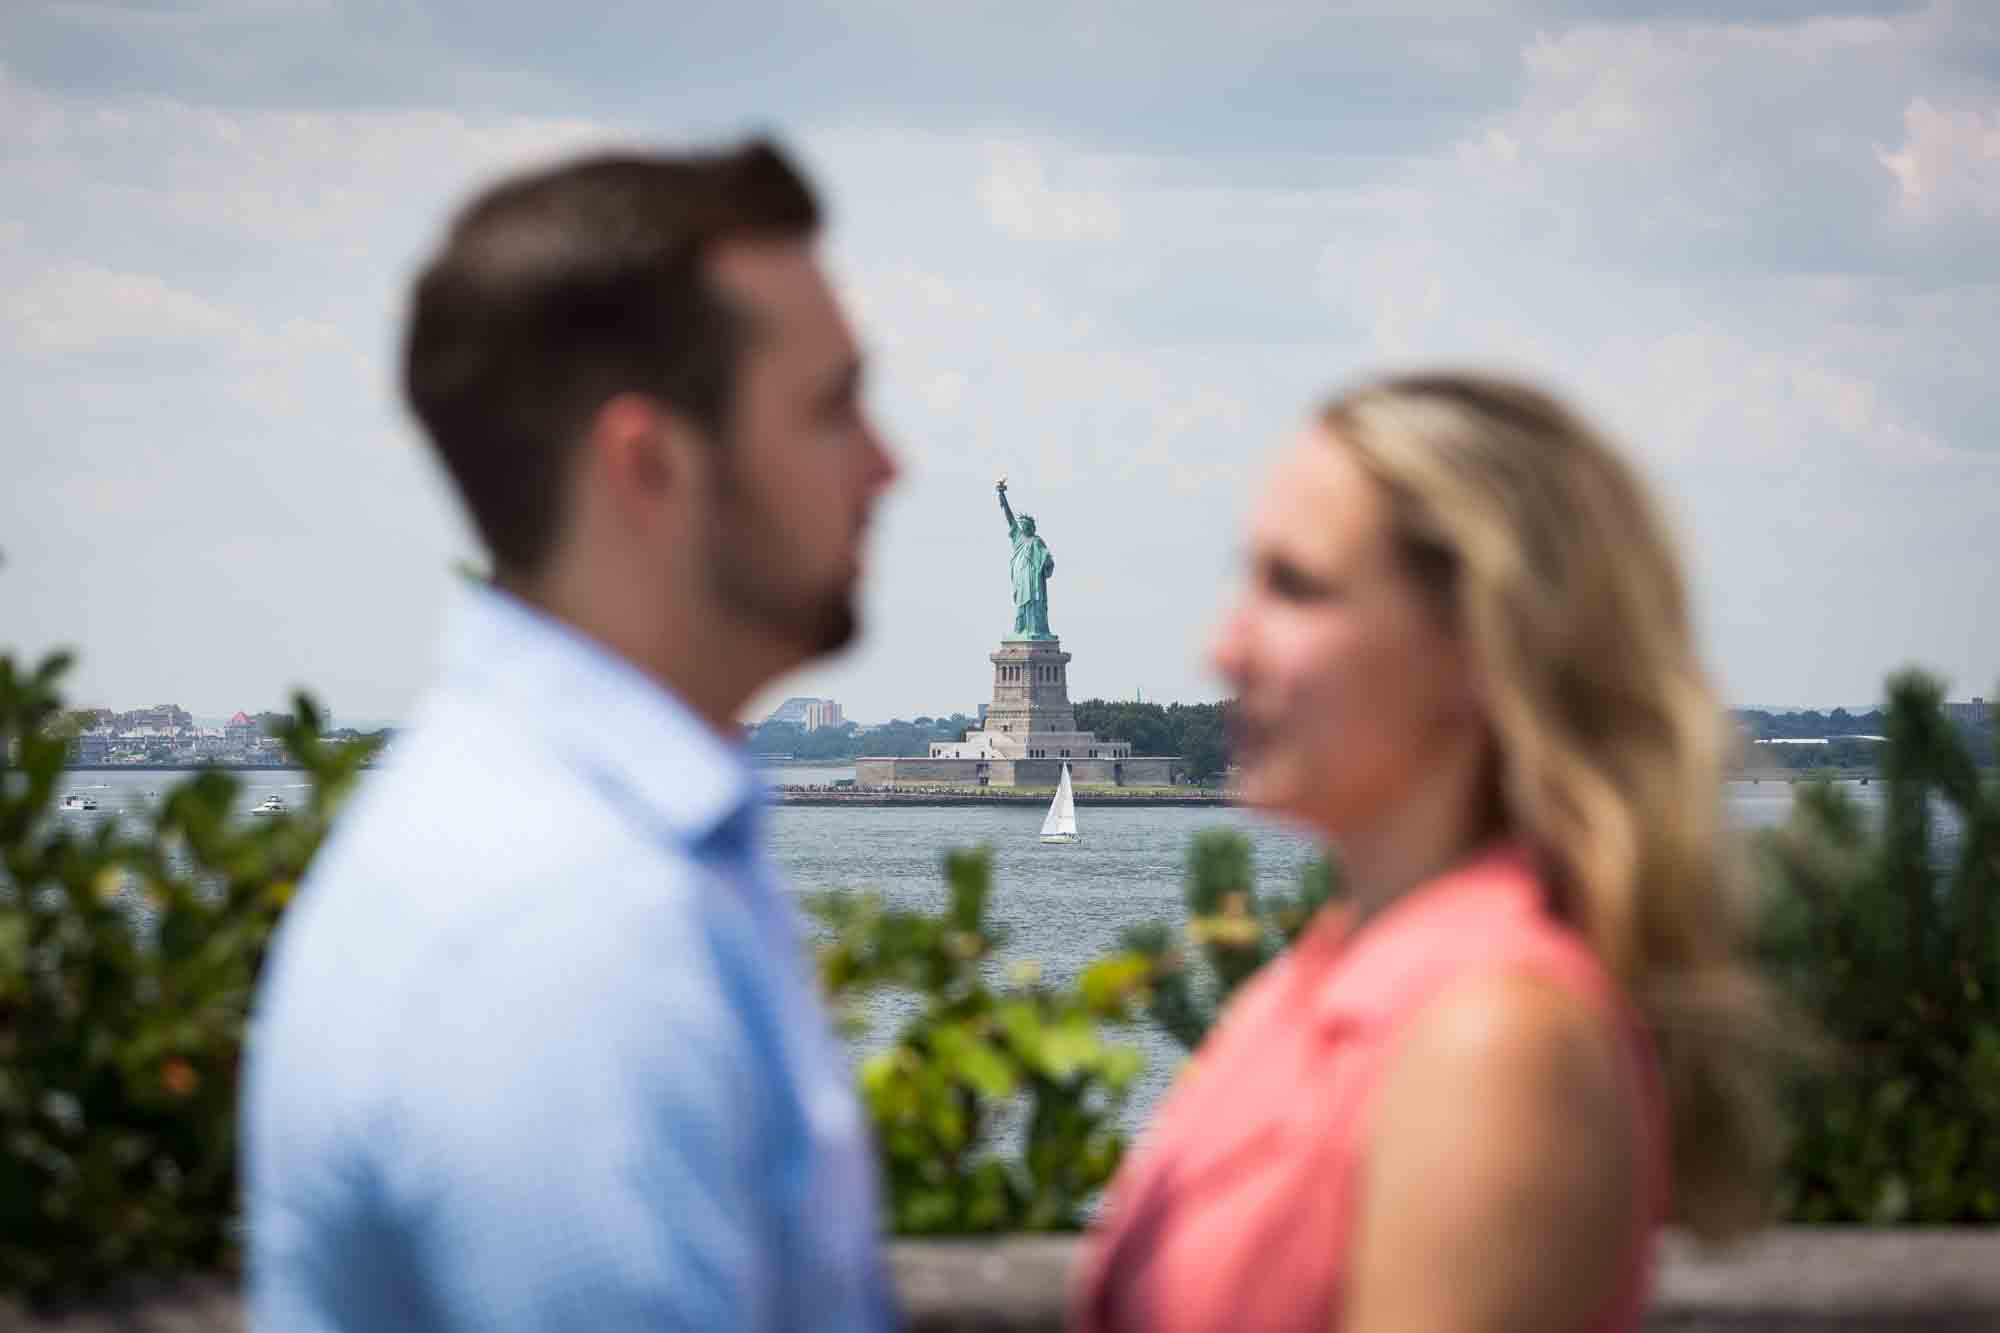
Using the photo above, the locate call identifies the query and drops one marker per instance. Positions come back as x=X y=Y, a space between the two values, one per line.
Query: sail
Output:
x=1061 y=819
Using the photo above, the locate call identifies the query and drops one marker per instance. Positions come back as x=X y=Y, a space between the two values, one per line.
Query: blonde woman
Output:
x=1463 y=1102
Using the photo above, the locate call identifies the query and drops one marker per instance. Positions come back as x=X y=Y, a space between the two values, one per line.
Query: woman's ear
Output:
x=1474 y=695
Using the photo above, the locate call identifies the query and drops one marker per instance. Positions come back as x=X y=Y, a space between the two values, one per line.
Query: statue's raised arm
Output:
x=1000 y=489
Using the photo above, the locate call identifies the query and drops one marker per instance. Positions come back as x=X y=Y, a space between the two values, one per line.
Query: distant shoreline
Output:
x=1804 y=775
x=181 y=767
x=861 y=797
x=1037 y=798
x=985 y=796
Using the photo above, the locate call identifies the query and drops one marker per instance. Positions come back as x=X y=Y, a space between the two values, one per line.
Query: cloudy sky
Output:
x=1113 y=249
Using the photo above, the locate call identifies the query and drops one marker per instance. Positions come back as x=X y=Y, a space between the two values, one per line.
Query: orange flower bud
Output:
x=177 y=1076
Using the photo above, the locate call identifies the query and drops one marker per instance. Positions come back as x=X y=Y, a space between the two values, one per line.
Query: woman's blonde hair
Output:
x=1546 y=551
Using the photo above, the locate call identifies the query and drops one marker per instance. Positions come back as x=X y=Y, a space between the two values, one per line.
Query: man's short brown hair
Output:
x=556 y=291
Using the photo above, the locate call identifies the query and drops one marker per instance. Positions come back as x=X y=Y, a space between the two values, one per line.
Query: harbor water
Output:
x=1060 y=906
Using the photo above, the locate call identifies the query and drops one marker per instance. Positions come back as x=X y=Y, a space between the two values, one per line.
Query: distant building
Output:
x=792 y=711
x=1977 y=713
x=807 y=713
x=162 y=719
x=241 y=731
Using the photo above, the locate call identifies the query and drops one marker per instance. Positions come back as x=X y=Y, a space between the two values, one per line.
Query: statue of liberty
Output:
x=1032 y=565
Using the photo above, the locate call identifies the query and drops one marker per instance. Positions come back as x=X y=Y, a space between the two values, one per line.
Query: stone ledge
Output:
x=1793 y=1280
x=1790 y=1280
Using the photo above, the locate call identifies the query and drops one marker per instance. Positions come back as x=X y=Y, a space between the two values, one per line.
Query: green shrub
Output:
x=1235 y=932
x=1895 y=954
x=128 y=958
x=995 y=1107
x=127 y=961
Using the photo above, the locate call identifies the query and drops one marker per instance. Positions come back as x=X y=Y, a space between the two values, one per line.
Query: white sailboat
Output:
x=1060 y=826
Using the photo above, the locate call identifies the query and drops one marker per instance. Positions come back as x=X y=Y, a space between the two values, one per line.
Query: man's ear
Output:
x=640 y=447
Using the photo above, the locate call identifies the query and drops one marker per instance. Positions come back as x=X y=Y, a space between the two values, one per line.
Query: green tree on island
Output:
x=1196 y=732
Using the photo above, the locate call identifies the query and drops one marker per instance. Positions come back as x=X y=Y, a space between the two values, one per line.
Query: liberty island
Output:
x=1030 y=731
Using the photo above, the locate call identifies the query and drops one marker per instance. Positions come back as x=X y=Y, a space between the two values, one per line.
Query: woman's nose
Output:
x=1228 y=643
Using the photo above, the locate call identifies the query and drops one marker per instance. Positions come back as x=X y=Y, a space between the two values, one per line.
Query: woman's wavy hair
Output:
x=1547 y=553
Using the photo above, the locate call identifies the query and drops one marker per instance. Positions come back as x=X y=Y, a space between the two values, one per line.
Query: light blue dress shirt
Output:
x=537 y=1046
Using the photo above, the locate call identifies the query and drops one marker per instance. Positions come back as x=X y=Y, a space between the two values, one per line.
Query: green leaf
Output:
x=991 y=1073
x=1121 y=1064
x=1111 y=984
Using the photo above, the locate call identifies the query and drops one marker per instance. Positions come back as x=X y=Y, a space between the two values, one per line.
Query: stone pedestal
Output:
x=1030 y=733
x=1031 y=720
x=1030 y=688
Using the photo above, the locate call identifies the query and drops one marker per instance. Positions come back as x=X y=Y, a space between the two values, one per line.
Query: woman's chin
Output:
x=1277 y=797
x=1266 y=791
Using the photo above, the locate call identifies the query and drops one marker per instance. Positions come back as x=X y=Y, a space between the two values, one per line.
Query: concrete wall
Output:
x=1150 y=770
x=1143 y=771
x=888 y=772
x=977 y=745
x=1794 y=1280
x=1048 y=772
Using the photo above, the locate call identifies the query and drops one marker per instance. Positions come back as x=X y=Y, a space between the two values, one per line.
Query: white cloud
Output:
x=1019 y=199
x=1708 y=396
x=69 y=307
x=329 y=182
x=1639 y=135
x=1949 y=161
x=1394 y=292
x=124 y=15
x=1692 y=227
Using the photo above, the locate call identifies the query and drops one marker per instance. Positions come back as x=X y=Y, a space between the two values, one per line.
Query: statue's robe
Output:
x=1031 y=567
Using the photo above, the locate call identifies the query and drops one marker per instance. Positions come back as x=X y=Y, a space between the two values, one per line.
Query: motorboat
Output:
x=77 y=800
x=1060 y=826
x=273 y=804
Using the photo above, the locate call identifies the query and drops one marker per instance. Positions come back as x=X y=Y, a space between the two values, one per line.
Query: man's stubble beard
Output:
x=753 y=578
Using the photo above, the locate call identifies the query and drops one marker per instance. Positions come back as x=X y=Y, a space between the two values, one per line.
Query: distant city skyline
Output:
x=1116 y=254
x=366 y=724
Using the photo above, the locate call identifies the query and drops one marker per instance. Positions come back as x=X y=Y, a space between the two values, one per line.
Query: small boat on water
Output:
x=77 y=800
x=1060 y=826
x=273 y=804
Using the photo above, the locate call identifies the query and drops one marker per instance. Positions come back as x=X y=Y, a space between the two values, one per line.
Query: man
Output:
x=538 y=1047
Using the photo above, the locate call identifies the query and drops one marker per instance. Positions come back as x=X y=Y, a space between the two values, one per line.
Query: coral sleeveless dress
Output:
x=1236 y=1211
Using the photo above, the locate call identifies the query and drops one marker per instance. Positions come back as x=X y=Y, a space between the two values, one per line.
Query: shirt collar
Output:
x=603 y=714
